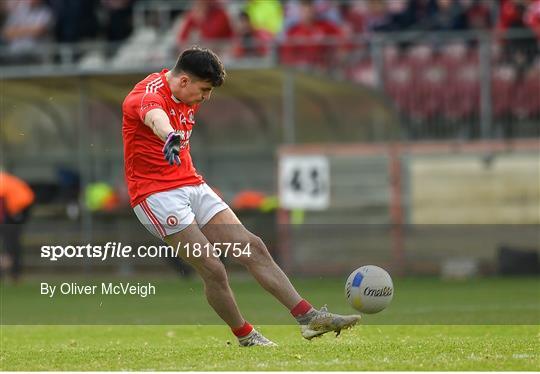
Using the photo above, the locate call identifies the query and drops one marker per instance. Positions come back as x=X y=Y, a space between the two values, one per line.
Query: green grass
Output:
x=509 y=301
x=483 y=324
x=206 y=348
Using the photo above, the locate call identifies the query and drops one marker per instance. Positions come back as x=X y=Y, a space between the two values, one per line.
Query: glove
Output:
x=171 y=149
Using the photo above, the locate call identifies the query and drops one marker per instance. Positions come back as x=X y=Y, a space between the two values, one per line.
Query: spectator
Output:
x=206 y=21
x=449 y=16
x=119 y=19
x=311 y=41
x=519 y=50
x=478 y=14
x=3 y=11
x=353 y=14
x=265 y=15
x=376 y=16
x=396 y=15
x=388 y=15
x=16 y=198
x=422 y=13
x=26 y=27
x=251 y=42
x=532 y=18
x=511 y=15
x=75 y=20
x=324 y=9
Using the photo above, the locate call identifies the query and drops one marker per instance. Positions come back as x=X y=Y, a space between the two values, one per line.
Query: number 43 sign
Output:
x=304 y=182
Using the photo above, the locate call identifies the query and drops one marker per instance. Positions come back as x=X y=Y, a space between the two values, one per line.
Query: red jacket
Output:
x=214 y=25
x=311 y=44
x=532 y=18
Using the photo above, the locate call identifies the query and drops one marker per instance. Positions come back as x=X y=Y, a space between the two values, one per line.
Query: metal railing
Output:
x=443 y=85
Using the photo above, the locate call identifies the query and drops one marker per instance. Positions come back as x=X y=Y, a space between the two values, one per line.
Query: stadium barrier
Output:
x=411 y=207
x=470 y=85
x=62 y=133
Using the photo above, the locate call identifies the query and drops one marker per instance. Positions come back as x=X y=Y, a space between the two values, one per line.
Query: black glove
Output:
x=171 y=149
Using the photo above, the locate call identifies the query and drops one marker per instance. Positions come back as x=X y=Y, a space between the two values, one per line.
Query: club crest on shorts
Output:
x=172 y=221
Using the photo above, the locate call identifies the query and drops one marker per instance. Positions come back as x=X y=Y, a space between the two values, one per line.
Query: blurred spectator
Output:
x=26 y=27
x=16 y=198
x=75 y=20
x=323 y=9
x=3 y=12
x=532 y=17
x=376 y=15
x=312 y=40
x=422 y=13
x=478 y=14
x=511 y=14
x=400 y=16
x=449 y=16
x=251 y=42
x=519 y=50
x=265 y=15
x=206 y=21
x=119 y=23
x=389 y=15
x=353 y=14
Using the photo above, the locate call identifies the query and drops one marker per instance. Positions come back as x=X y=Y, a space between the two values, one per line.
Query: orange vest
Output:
x=15 y=193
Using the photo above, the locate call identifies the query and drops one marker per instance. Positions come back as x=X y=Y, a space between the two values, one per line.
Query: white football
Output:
x=369 y=289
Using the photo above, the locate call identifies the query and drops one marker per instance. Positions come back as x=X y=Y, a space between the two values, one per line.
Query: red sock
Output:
x=243 y=330
x=301 y=308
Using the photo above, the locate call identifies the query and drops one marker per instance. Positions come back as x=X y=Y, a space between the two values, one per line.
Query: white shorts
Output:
x=165 y=213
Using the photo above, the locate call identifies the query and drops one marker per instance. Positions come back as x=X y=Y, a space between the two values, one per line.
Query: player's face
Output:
x=194 y=91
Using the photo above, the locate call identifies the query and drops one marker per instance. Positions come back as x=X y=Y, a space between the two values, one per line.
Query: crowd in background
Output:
x=252 y=24
x=308 y=32
x=27 y=24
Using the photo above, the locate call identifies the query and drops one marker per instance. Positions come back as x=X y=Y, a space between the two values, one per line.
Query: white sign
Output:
x=304 y=182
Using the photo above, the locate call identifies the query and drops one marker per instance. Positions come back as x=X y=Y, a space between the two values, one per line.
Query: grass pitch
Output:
x=205 y=348
x=395 y=339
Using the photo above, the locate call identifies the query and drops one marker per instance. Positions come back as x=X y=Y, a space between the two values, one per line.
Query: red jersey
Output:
x=146 y=169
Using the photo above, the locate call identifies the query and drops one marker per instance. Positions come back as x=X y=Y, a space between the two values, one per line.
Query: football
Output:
x=369 y=289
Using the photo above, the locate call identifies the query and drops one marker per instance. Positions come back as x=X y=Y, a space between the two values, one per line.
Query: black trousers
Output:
x=10 y=240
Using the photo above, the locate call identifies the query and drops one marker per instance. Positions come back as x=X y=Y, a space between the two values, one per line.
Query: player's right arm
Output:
x=159 y=122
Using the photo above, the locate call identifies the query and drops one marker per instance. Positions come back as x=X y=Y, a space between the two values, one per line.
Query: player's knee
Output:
x=258 y=253
x=212 y=270
x=258 y=245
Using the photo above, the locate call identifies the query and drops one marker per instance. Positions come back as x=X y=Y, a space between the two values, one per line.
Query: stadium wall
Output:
x=413 y=207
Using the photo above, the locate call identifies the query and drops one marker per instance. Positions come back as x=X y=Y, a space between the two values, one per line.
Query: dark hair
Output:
x=203 y=64
x=243 y=14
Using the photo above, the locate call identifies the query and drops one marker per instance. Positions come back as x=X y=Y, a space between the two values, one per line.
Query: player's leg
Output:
x=216 y=285
x=168 y=216
x=225 y=227
x=212 y=272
